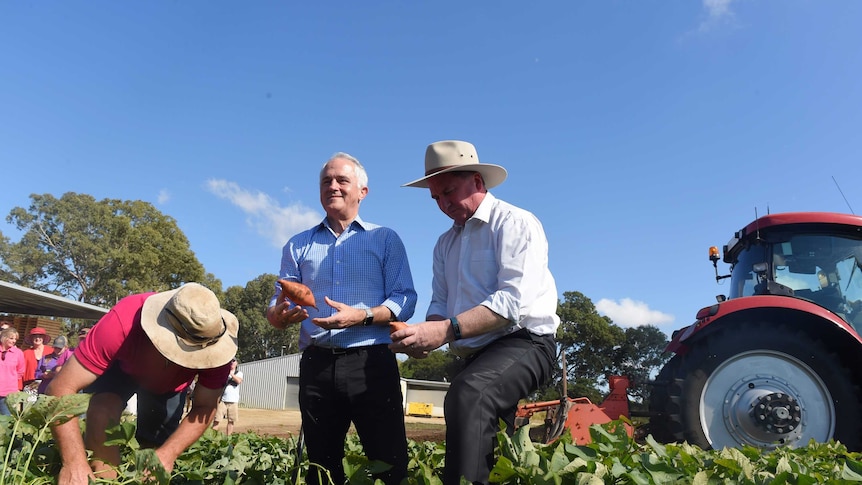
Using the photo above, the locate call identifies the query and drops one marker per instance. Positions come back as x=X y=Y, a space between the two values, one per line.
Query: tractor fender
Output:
x=761 y=307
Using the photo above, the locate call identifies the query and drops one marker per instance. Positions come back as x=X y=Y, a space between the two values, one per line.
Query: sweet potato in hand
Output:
x=396 y=326
x=298 y=293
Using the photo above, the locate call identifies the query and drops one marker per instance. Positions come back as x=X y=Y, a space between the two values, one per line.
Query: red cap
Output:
x=38 y=331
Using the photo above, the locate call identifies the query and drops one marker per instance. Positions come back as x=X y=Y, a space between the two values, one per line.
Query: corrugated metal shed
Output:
x=270 y=383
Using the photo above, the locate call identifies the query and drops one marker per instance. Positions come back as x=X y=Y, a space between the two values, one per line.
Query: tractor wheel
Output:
x=665 y=424
x=760 y=385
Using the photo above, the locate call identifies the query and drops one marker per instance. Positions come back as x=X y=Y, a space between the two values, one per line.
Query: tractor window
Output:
x=849 y=273
x=824 y=269
x=743 y=279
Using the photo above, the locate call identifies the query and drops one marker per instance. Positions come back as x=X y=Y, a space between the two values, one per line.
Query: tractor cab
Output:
x=818 y=263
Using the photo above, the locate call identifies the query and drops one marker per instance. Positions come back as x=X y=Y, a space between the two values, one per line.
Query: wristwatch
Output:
x=369 y=317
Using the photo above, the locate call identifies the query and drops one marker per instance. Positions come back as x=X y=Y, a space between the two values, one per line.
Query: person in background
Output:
x=228 y=406
x=347 y=373
x=11 y=366
x=494 y=301
x=4 y=324
x=53 y=362
x=152 y=345
x=82 y=334
x=34 y=355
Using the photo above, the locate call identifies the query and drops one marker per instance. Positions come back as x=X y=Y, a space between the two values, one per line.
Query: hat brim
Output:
x=155 y=323
x=493 y=175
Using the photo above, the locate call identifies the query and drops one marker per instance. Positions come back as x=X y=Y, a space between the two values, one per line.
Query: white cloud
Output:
x=717 y=11
x=164 y=196
x=631 y=313
x=718 y=8
x=264 y=213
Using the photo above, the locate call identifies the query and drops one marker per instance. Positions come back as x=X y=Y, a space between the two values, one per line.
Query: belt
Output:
x=320 y=349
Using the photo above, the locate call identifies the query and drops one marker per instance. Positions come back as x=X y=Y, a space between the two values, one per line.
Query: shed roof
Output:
x=25 y=301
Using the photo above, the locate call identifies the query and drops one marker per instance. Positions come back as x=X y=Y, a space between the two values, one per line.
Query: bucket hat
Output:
x=189 y=328
x=457 y=156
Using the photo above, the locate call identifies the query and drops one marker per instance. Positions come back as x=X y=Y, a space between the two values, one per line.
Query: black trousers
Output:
x=359 y=385
x=159 y=415
x=487 y=390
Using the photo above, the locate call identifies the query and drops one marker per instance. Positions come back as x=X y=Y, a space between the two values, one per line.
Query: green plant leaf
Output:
x=149 y=467
x=47 y=409
x=852 y=470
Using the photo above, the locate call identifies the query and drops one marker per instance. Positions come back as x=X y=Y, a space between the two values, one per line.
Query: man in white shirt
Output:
x=228 y=406
x=494 y=302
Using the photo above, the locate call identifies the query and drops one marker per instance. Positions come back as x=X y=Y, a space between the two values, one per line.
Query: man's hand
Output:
x=282 y=314
x=345 y=316
x=76 y=474
x=167 y=460
x=417 y=340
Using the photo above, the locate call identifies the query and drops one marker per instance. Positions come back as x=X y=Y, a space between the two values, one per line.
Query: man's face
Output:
x=339 y=189
x=457 y=195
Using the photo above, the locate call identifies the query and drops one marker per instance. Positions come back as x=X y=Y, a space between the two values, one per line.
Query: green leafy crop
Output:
x=31 y=457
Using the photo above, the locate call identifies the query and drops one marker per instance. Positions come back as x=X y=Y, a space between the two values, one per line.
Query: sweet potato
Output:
x=297 y=293
x=396 y=326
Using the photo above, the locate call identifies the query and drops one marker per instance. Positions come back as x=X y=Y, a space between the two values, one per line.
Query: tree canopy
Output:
x=257 y=338
x=440 y=365
x=595 y=347
x=96 y=251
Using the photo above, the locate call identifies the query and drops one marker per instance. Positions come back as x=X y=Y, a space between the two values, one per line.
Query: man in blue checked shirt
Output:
x=347 y=372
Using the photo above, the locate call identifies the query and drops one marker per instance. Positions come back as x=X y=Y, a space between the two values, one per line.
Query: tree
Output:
x=595 y=347
x=257 y=338
x=97 y=251
x=440 y=365
x=640 y=356
x=588 y=340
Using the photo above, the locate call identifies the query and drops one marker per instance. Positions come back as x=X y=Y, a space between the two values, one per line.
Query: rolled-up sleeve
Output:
x=400 y=294
x=521 y=259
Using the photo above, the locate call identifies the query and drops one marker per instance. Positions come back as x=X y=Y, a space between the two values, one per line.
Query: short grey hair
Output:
x=361 y=174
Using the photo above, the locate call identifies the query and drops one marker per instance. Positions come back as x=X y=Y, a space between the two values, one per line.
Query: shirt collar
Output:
x=483 y=212
x=324 y=224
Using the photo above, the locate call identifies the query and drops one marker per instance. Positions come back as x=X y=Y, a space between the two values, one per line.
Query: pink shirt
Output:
x=12 y=369
x=118 y=337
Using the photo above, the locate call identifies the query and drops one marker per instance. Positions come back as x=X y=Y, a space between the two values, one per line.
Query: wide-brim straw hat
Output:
x=457 y=156
x=188 y=327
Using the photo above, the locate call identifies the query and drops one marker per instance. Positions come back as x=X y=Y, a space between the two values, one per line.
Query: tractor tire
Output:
x=665 y=423
x=760 y=385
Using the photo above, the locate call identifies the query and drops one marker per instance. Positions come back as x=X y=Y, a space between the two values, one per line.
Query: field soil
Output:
x=286 y=423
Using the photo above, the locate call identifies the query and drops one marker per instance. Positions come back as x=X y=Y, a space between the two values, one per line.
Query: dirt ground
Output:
x=286 y=423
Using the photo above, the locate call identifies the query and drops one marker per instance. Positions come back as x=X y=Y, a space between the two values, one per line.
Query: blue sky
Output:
x=639 y=132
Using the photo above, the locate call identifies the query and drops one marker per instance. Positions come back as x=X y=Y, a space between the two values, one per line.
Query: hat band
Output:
x=190 y=338
x=447 y=167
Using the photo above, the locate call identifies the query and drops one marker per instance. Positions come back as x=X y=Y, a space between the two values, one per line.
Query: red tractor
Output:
x=777 y=361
